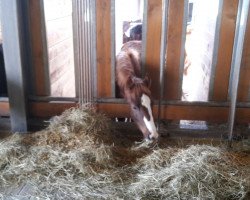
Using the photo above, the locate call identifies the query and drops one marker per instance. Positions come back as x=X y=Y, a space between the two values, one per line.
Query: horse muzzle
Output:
x=153 y=136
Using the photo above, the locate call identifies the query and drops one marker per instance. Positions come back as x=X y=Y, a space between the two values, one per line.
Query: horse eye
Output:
x=135 y=108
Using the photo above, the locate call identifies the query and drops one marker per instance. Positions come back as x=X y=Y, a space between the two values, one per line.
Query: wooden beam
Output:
x=172 y=112
x=242 y=115
x=185 y=112
x=47 y=110
x=204 y=113
x=103 y=44
x=227 y=31
x=15 y=61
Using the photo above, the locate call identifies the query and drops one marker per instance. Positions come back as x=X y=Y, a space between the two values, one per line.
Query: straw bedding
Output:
x=81 y=156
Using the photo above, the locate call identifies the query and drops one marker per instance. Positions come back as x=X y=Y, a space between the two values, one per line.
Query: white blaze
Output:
x=145 y=101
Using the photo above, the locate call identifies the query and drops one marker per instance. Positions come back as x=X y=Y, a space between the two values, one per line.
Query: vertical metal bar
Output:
x=85 y=45
x=165 y=4
x=113 y=53
x=91 y=51
x=238 y=20
x=86 y=38
x=75 y=45
x=84 y=82
x=183 y=42
x=83 y=60
x=215 y=50
x=242 y=15
x=93 y=47
x=80 y=25
x=144 y=36
x=88 y=51
x=14 y=56
x=85 y=51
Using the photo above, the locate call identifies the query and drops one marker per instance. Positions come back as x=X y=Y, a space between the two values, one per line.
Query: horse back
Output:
x=128 y=63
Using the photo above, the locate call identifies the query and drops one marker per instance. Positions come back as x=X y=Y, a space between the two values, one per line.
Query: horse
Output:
x=135 y=89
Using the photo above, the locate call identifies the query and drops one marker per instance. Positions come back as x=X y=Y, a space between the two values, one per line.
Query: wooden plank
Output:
x=39 y=49
x=114 y=110
x=185 y=112
x=4 y=109
x=153 y=42
x=103 y=43
x=227 y=31
x=173 y=112
x=242 y=115
x=46 y=110
x=244 y=84
x=211 y=114
x=174 y=44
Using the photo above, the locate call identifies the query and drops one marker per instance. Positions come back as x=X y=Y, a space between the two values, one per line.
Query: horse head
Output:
x=138 y=96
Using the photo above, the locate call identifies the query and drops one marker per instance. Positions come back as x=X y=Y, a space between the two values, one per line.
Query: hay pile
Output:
x=80 y=156
x=198 y=172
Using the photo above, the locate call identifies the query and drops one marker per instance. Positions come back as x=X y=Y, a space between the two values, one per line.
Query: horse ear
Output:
x=147 y=81
x=130 y=83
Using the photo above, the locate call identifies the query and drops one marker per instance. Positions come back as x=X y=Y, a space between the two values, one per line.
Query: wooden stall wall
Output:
x=172 y=108
x=215 y=111
x=58 y=21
